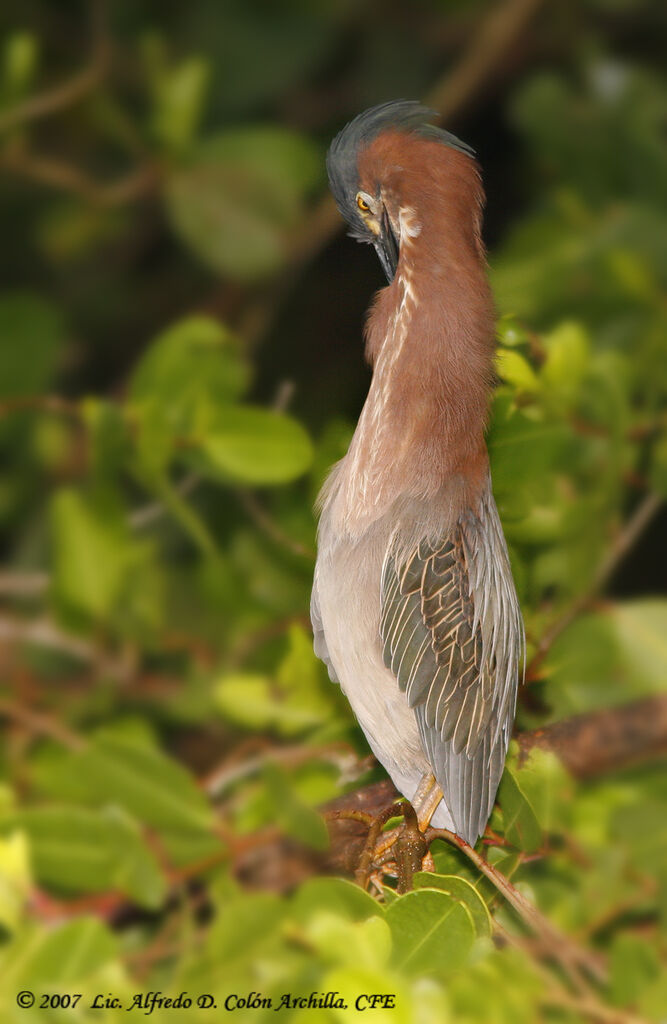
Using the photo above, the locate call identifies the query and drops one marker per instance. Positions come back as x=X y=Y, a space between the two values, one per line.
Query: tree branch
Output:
x=589 y=746
x=67 y=178
x=599 y=742
x=490 y=44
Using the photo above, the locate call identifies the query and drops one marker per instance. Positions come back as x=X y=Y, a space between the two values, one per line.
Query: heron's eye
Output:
x=362 y=204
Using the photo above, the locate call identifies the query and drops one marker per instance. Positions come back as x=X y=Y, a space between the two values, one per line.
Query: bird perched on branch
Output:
x=414 y=608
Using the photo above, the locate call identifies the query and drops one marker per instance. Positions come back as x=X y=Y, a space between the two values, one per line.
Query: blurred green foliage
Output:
x=162 y=701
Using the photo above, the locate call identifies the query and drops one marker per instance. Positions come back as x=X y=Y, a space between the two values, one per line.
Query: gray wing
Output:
x=452 y=635
x=319 y=639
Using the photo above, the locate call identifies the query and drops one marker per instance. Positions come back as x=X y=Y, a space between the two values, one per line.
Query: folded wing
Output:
x=452 y=635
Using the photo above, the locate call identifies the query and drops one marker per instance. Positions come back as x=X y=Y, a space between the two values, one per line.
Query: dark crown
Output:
x=403 y=115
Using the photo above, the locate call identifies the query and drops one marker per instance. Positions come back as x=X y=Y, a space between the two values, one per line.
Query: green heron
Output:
x=414 y=608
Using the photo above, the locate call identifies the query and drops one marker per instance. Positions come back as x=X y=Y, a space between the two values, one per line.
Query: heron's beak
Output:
x=386 y=246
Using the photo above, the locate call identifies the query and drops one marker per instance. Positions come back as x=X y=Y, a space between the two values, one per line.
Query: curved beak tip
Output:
x=386 y=246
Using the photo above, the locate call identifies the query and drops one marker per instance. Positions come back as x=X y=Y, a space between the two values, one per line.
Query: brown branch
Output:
x=54 y=100
x=575 y=960
x=631 y=733
x=40 y=724
x=599 y=742
x=39 y=403
x=67 y=178
x=491 y=43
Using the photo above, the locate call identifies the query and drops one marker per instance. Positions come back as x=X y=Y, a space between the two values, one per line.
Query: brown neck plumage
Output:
x=429 y=339
x=433 y=368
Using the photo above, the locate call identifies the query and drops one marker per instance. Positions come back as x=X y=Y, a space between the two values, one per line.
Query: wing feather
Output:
x=452 y=635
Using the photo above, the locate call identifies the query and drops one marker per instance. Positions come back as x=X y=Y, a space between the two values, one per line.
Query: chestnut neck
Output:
x=433 y=366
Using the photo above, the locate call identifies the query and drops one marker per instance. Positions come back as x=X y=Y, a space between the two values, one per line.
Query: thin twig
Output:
x=572 y=958
x=554 y=993
x=146 y=515
x=220 y=779
x=589 y=1006
x=267 y=525
x=67 y=178
x=43 y=632
x=41 y=724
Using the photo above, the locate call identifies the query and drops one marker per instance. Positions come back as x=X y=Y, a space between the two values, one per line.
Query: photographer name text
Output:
x=147 y=1002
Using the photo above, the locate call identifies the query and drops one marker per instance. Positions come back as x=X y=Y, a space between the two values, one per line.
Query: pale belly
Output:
x=347 y=583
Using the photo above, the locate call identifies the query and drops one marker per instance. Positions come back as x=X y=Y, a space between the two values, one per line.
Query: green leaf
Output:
x=90 y=553
x=253 y=446
x=432 y=932
x=641 y=629
x=516 y=370
x=641 y=826
x=63 y=956
x=462 y=890
x=548 y=788
x=307 y=691
x=195 y=355
x=108 y=435
x=31 y=337
x=338 y=895
x=654 y=999
x=609 y=657
x=242 y=925
x=420 y=1003
x=136 y=870
x=522 y=828
x=189 y=372
x=580 y=666
x=246 y=698
x=75 y=849
x=364 y=944
x=15 y=878
x=509 y=333
x=19 y=63
x=522 y=450
x=291 y=813
x=634 y=965
x=238 y=195
x=154 y=788
x=178 y=93
x=568 y=360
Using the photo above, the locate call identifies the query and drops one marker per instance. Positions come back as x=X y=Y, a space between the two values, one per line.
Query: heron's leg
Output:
x=426 y=799
x=404 y=846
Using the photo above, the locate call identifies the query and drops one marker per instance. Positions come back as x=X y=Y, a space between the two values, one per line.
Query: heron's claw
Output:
x=404 y=848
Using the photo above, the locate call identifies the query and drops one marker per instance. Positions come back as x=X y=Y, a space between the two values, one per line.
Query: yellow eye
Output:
x=362 y=204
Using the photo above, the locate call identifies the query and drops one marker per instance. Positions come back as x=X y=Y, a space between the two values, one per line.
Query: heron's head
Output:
x=394 y=174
